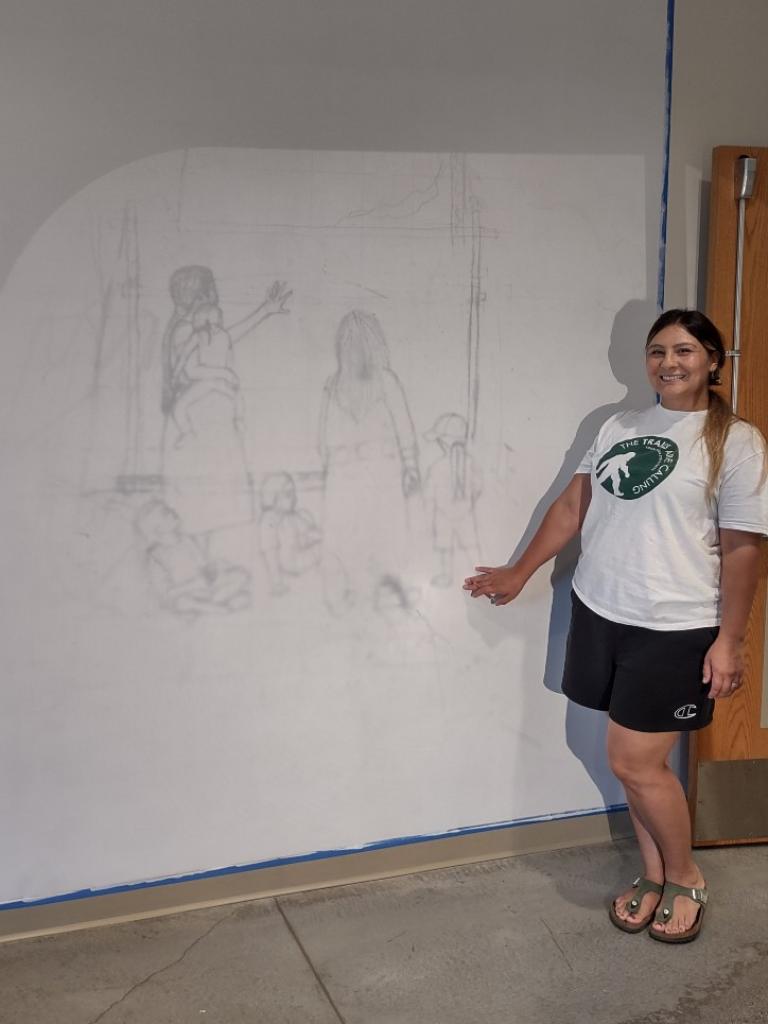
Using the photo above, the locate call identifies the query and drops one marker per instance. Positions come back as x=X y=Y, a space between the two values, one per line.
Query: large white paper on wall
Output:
x=261 y=412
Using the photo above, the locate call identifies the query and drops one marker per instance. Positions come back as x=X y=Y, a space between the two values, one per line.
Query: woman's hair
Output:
x=720 y=417
x=362 y=356
x=190 y=285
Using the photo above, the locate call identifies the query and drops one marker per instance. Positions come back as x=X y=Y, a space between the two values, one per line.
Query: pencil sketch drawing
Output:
x=185 y=579
x=452 y=486
x=205 y=469
x=405 y=207
x=290 y=540
x=188 y=395
x=370 y=457
x=198 y=351
x=399 y=635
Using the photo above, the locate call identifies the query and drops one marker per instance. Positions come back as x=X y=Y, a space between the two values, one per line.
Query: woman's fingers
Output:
x=483 y=590
x=706 y=676
x=724 y=684
x=473 y=581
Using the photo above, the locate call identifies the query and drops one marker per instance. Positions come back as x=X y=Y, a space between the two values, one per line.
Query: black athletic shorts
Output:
x=646 y=679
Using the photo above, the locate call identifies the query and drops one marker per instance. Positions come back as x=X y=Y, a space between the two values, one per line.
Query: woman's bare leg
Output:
x=653 y=870
x=639 y=761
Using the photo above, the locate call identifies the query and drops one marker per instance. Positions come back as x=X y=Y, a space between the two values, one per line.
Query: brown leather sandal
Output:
x=641 y=886
x=665 y=909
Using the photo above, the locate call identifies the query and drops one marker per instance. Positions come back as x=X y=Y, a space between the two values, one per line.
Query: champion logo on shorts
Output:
x=635 y=466
x=686 y=711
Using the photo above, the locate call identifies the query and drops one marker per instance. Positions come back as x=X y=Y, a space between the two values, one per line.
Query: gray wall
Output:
x=561 y=105
x=719 y=98
x=90 y=85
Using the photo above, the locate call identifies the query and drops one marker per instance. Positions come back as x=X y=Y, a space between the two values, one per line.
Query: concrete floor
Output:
x=514 y=941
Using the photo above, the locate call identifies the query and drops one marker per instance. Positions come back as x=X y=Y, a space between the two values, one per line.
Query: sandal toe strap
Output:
x=671 y=892
x=642 y=887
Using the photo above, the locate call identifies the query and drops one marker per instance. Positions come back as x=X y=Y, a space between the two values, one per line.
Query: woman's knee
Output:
x=632 y=772
x=635 y=761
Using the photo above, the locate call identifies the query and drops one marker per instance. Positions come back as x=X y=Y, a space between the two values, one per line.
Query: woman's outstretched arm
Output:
x=561 y=523
x=274 y=303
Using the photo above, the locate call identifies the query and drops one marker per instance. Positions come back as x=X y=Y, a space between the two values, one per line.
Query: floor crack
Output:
x=160 y=970
x=312 y=967
x=554 y=939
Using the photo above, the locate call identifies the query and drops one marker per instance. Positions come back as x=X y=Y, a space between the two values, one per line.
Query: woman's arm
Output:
x=561 y=523
x=274 y=303
x=322 y=430
x=397 y=404
x=740 y=568
x=195 y=370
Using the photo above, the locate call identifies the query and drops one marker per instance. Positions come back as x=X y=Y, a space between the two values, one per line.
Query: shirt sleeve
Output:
x=742 y=502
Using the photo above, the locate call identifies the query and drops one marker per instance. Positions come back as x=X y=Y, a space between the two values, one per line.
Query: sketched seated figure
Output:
x=185 y=580
x=453 y=485
x=370 y=458
x=289 y=539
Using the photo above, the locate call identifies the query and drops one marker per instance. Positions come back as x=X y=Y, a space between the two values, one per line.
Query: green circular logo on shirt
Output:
x=634 y=467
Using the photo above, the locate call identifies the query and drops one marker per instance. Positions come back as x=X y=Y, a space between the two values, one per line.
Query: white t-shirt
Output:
x=650 y=539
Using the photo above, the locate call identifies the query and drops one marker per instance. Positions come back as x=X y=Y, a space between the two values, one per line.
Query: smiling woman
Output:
x=662 y=592
x=680 y=368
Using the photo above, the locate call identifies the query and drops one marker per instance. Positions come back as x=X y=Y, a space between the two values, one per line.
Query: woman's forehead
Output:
x=674 y=334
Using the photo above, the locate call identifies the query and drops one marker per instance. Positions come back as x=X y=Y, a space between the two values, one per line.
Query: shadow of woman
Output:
x=586 y=729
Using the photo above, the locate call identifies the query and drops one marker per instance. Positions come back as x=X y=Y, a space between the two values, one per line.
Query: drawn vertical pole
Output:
x=458 y=168
x=473 y=330
x=129 y=259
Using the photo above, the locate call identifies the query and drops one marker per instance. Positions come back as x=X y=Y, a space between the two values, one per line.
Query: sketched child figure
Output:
x=185 y=578
x=207 y=368
x=453 y=485
x=289 y=539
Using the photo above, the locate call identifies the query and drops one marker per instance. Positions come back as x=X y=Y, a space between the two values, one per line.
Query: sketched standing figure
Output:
x=370 y=457
x=204 y=461
x=198 y=349
x=453 y=485
x=204 y=367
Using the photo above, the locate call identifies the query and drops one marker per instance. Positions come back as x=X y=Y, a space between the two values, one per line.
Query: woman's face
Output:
x=678 y=368
x=354 y=357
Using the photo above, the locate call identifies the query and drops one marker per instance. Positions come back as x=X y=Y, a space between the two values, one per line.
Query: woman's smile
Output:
x=678 y=368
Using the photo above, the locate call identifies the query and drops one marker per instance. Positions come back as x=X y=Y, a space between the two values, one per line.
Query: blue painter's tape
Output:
x=236 y=869
x=665 y=172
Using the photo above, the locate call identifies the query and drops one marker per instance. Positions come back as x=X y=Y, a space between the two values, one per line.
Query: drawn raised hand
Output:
x=276 y=298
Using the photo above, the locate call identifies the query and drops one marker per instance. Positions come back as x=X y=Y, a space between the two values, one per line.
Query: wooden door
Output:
x=728 y=766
